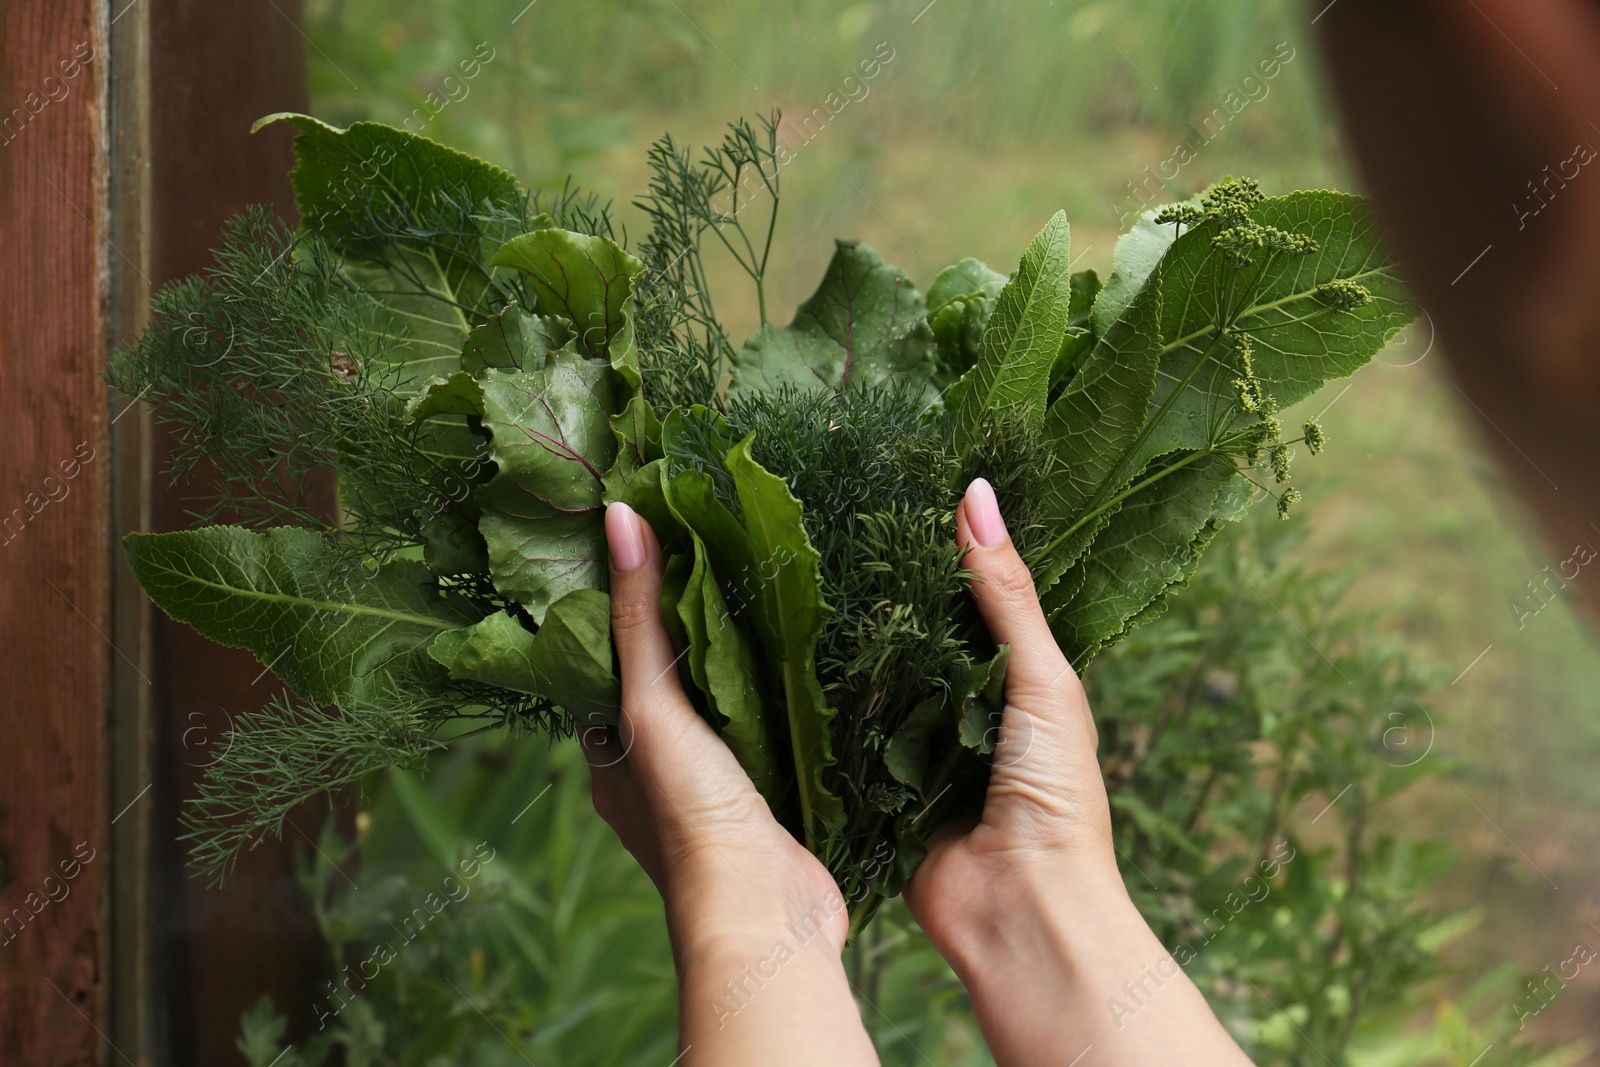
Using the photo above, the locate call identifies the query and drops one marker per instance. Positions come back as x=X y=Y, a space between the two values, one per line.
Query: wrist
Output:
x=788 y=966
x=765 y=993
x=1049 y=915
x=721 y=926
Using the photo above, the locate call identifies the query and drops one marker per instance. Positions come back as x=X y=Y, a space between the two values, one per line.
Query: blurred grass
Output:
x=986 y=119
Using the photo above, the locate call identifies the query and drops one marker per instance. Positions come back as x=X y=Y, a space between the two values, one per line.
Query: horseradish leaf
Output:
x=413 y=223
x=335 y=631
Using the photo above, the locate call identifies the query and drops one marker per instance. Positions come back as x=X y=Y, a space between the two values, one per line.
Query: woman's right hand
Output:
x=1027 y=903
x=1045 y=819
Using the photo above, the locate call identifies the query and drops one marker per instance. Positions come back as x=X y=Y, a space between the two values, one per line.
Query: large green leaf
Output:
x=865 y=324
x=715 y=553
x=1095 y=424
x=1292 y=359
x=1012 y=376
x=568 y=660
x=407 y=217
x=1193 y=402
x=723 y=663
x=551 y=439
x=586 y=280
x=334 y=631
x=1150 y=545
x=788 y=613
x=1135 y=257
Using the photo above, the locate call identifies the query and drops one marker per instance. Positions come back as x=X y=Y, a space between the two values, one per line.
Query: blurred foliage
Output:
x=569 y=81
x=1256 y=728
x=555 y=952
x=1253 y=742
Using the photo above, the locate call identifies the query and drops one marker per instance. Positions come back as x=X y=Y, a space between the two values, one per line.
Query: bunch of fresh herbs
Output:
x=486 y=369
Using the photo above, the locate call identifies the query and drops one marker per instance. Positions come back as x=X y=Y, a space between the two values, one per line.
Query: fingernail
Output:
x=624 y=537
x=983 y=514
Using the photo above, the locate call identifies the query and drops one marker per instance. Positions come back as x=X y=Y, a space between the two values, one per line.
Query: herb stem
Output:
x=861 y=912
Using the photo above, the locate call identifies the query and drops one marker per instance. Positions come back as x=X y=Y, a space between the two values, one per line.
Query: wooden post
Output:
x=55 y=650
x=124 y=145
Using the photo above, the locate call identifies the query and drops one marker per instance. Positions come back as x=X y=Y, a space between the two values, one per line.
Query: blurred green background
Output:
x=977 y=122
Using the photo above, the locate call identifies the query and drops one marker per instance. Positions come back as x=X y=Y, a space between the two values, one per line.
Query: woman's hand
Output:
x=1045 y=819
x=1027 y=904
x=756 y=921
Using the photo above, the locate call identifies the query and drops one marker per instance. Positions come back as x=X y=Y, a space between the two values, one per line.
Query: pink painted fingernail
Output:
x=625 y=537
x=983 y=514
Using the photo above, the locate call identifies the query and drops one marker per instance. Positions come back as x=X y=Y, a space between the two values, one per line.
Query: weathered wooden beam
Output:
x=55 y=651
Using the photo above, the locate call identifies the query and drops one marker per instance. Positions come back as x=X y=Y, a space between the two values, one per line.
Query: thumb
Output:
x=1006 y=598
x=657 y=718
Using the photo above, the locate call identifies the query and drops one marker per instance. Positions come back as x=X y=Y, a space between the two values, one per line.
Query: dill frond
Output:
x=257 y=368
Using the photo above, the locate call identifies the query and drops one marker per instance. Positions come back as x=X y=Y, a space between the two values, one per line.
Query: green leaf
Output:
x=334 y=633
x=642 y=490
x=444 y=413
x=908 y=754
x=1086 y=288
x=1080 y=337
x=494 y=650
x=568 y=661
x=724 y=661
x=1292 y=359
x=865 y=324
x=960 y=301
x=964 y=279
x=638 y=434
x=674 y=579
x=1150 y=545
x=980 y=694
x=586 y=280
x=331 y=163
x=788 y=614
x=1094 y=425
x=378 y=196
x=1136 y=255
x=551 y=439
x=457 y=393
x=509 y=340
x=723 y=666
x=624 y=350
x=451 y=543
x=514 y=340
x=1012 y=375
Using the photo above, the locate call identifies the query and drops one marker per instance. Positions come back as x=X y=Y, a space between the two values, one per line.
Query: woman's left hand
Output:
x=756 y=921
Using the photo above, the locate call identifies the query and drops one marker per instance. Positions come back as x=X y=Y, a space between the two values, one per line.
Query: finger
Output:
x=657 y=718
x=1005 y=594
x=642 y=642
